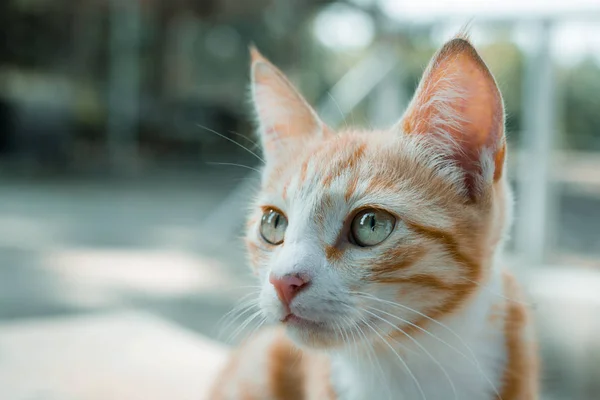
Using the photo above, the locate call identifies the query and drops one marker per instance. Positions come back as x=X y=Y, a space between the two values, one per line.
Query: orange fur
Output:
x=519 y=380
x=407 y=256
x=333 y=253
x=286 y=378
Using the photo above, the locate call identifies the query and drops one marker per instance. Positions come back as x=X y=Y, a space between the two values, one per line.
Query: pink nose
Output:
x=288 y=286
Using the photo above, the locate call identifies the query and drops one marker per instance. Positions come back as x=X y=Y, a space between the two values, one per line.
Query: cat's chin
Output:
x=305 y=333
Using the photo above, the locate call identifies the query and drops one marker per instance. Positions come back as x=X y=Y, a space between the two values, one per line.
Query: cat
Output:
x=377 y=251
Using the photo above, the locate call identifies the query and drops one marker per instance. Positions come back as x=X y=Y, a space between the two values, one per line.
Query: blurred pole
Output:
x=356 y=85
x=388 y=101
x=123 y=83
x=535 y=193
x=389 y=98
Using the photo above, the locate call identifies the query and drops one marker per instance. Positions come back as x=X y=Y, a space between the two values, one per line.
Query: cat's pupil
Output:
x=372 y=218
x=276 y=222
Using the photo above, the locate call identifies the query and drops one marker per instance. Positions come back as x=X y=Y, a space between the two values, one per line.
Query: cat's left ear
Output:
x=285 y=117
x=458 y=105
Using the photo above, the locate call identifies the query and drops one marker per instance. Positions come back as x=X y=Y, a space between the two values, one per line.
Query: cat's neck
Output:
x=464 y=349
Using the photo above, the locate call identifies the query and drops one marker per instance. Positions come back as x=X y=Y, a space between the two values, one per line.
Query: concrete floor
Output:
x=71 y=247
x=96 y=276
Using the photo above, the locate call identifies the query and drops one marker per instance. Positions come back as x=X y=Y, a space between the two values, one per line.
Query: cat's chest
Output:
x=463 y=361
x=391 y=379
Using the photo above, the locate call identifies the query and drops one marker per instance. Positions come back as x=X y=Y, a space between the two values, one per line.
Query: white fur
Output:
x=476 y=373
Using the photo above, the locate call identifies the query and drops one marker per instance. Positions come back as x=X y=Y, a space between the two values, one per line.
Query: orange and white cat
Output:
x=377 y=251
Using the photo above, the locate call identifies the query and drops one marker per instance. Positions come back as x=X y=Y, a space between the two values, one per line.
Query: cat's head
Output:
x=385 y=229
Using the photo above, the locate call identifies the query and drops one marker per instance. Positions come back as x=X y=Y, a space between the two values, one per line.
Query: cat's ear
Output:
x=283 y=114
x=459 y=105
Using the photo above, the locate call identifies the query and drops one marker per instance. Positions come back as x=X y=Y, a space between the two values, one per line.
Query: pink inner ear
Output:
x=458 y=99
x=283 y=113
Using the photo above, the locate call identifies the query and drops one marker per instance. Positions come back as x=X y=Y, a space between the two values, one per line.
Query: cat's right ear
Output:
x=459 y=106
x=284 y=117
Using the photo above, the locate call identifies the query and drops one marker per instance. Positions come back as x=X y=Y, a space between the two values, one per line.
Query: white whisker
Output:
x=233 y=164
x=502 y=296
x=241 y=304
x=254 y=144
x=427 y=333
x=241 y=328
x=338 y=108
x=242 y=307
x=436 y=362
x=258 y=326
x=410 y=373
x=232 y=141
x=372 y=356
x=236 y=316
x=474 y=359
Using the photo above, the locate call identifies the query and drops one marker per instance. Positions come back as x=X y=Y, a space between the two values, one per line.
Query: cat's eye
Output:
x=273 y=226
x=371 y=227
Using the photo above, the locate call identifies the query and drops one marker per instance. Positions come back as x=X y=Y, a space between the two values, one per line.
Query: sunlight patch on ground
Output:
x=157 y=272
x=127 y=355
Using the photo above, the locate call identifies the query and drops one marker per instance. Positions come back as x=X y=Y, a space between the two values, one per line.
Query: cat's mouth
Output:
x=315 y=334
x=304 y=324
x=306 y=332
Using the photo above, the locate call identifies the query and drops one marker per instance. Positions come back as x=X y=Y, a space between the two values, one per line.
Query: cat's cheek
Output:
x=262 y=272
x=270 y=305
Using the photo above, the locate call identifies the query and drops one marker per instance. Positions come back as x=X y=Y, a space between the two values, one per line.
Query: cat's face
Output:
x=361 y=234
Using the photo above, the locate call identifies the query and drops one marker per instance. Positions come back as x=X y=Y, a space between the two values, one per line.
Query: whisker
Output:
x=404 y=348
x=338 y=330
x=242 y=287
x=354 y=342
x=524 y=303
x=338 y=108
x=232 y=164
x=241 y=303
x=297 y=360
x=238 y=308
x=435 y=321
x=243 y=326
x=235 y=312
x=475 y=361
x=387 y=386
x=372 y=356
x=232 y=141
x=410 y=373
x=234 y=317
x=371 y=351
x=241 y=308
x=426 y=332
x=258 y=326
x=440 y=366
x=254 y=144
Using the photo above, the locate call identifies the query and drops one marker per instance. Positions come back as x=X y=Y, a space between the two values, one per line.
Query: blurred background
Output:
x=123 y=192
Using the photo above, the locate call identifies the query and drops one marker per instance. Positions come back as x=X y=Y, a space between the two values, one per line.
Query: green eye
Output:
x=371 y=227
x=273 y=226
